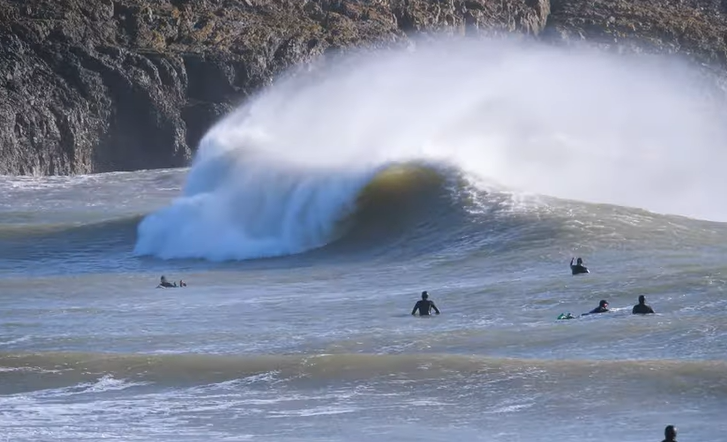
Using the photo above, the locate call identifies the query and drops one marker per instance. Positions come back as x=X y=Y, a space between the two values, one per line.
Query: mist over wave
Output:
x=278 y=175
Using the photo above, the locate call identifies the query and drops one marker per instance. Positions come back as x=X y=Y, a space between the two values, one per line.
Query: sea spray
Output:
x=275 y=176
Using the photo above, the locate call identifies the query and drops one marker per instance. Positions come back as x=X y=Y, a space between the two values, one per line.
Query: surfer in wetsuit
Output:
x=578 y=268
x=602 y=308
x=424 y=306
x=641 y=308
x=166 y=284
x=670 y=434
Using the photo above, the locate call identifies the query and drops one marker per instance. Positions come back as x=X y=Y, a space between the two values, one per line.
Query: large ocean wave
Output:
x=283 y=174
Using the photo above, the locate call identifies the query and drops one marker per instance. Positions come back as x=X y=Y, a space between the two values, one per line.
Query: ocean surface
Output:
x=303 y=268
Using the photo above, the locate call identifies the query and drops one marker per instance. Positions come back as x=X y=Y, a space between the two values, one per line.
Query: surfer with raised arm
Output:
x=578 y=268
x=424 y=306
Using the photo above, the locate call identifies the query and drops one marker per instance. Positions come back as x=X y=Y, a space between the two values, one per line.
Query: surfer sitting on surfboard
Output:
x=670 y=434
x=424 y=306
x=641 y=308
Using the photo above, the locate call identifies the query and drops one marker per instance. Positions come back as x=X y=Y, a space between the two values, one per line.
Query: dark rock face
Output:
x=106 y=85
x=695 y=28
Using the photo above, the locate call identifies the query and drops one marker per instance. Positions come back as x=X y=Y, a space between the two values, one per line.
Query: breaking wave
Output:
x=290 y=170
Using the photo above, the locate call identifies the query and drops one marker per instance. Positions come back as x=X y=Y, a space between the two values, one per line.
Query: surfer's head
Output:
x=603 y=303
x=642 y=299
x=579 y=261
x=164 y=278
x=425 y=295
x=670 y=432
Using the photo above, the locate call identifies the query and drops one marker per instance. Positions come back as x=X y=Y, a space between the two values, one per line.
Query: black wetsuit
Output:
x=642 y=309
x=167 y=284
x=577 y=269
x=424 y=306
x=598 y=309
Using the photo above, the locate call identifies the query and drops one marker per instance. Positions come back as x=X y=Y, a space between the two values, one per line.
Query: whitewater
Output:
x=313 y=216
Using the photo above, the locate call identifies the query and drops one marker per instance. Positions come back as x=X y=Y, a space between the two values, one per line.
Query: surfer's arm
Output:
x=435 y=308
x=414 y=310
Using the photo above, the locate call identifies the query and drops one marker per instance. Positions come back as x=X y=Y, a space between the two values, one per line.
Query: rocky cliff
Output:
x=105 y=85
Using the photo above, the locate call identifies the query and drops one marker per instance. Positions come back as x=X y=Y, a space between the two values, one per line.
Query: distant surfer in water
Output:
x=424 y=306
x=578 y=268
x=641 y=308
x=670 y=434
x=602 y=308
x=166 y=284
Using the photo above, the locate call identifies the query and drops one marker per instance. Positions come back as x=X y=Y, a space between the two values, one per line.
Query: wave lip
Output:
x=250 y=210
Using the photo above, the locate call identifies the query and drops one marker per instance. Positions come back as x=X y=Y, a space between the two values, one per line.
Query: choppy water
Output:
x=320 y=346
x=302 y=272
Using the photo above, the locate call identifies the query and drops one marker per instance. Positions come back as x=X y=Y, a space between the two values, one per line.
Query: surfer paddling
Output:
x=602 y=308
x=166 y=284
